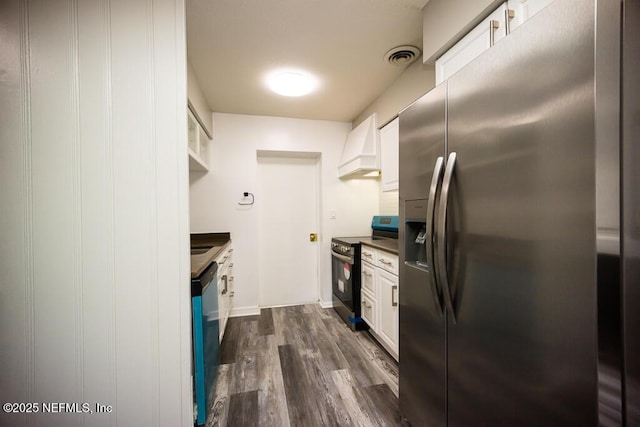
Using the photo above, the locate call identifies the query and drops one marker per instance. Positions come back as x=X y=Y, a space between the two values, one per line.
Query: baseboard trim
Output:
x=252 y=310
x=325 y=304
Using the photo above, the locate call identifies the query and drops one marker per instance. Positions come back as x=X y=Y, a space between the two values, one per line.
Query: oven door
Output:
x=342 y=277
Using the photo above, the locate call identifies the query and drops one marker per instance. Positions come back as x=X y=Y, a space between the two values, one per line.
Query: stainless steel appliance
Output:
x=345 y=266
x=510 y=240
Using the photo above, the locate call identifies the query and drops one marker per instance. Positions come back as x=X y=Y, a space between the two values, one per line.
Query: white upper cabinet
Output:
x=525 y=9
x=198 y=145
x=506 y=18
x=389 y=144
x=479 y=39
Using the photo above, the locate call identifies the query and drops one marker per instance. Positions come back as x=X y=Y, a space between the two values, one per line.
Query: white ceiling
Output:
x=233 y=44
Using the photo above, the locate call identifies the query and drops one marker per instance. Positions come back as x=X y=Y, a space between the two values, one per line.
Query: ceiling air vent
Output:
x=402 y=55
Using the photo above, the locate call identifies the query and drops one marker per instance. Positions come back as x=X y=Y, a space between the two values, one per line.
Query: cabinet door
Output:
x=368 y=309
x=472 y=45
x=222 y=303
x=198 y=145
x=389 y=142
x=388 y=308
x=524 y=9
x=368 y=278
x=231 y=291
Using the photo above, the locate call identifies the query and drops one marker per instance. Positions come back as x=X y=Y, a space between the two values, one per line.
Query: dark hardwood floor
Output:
x=302 y=366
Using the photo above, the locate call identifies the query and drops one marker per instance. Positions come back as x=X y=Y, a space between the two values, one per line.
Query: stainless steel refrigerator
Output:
x=519 y=229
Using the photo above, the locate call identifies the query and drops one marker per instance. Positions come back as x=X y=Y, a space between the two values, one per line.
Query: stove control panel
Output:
x=344 y=249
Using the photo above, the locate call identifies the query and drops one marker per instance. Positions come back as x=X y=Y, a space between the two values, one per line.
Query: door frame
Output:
x=317 y=156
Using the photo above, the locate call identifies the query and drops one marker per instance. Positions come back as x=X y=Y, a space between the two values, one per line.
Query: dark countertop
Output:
x=388 y=245
x=217 y=242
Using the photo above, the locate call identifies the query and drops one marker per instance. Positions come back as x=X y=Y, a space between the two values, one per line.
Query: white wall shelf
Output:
x=198 y=145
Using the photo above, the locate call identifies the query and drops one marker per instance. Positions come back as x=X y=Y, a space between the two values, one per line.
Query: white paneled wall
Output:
x=234 y=169
x=94 y=249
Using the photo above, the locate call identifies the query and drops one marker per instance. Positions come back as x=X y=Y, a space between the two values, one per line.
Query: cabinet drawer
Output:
x=368 y=306
x=388 y=261
x=223 y=258
x=369 y=254
x=368 y=278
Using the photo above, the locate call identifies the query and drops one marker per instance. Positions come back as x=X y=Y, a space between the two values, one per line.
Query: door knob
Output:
x=313 y=237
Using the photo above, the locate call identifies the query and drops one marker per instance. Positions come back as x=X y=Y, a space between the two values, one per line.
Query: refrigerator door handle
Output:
x=441 y=234
x=429 y=239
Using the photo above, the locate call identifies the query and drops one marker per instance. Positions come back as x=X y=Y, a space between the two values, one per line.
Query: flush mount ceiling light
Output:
x=291 y=83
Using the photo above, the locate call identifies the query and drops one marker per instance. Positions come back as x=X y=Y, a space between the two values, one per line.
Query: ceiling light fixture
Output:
x=291 y=83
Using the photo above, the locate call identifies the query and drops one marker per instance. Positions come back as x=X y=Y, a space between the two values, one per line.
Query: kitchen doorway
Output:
x=289 y=213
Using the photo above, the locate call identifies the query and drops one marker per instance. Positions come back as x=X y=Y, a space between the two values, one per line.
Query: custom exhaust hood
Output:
x=361 y=151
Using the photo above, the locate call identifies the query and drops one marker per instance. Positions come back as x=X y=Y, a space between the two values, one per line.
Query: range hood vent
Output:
x=361 y=151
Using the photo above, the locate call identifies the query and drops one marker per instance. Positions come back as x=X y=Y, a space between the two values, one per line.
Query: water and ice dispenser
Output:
x=416 y=233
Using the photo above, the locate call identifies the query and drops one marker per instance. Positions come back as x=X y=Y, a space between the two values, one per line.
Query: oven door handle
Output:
x=342 y=257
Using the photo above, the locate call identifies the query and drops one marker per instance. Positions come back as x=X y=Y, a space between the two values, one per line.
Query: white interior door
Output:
x=288 y=260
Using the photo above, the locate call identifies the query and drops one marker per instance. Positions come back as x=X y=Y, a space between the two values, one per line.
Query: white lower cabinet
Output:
x=368 y=276
x=369 y=310
x=388 y=319
x=225 y=287
x=379 y=297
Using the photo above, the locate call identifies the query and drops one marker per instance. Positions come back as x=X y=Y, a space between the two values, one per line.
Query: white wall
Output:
x=416 y=80
x=94 y=263
x=234 y=169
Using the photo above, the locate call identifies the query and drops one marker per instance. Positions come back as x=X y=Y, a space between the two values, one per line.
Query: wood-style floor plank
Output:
x=331 y=408
x=272 y=401
x=245 y=370
x=230 y=341
x=385 y=366
x=243 y=409
x=218 y=412
x=295 y=385
x=351 y=395
x=265 y=323
x=356 y=357
x=303 y=366
x=384 y=404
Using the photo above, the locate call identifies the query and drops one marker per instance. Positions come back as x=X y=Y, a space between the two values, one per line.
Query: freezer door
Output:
x=521 y=232
x=631 y=210
x=422 y=138
x=422 y=323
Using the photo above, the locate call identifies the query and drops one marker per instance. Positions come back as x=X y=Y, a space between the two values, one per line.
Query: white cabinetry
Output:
x=478 y=40
x=379 y=292
x=525 y=9
x=225 y=286
x=388 y=300
x=198 y=145
x=498 y=25
x=389 y=145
